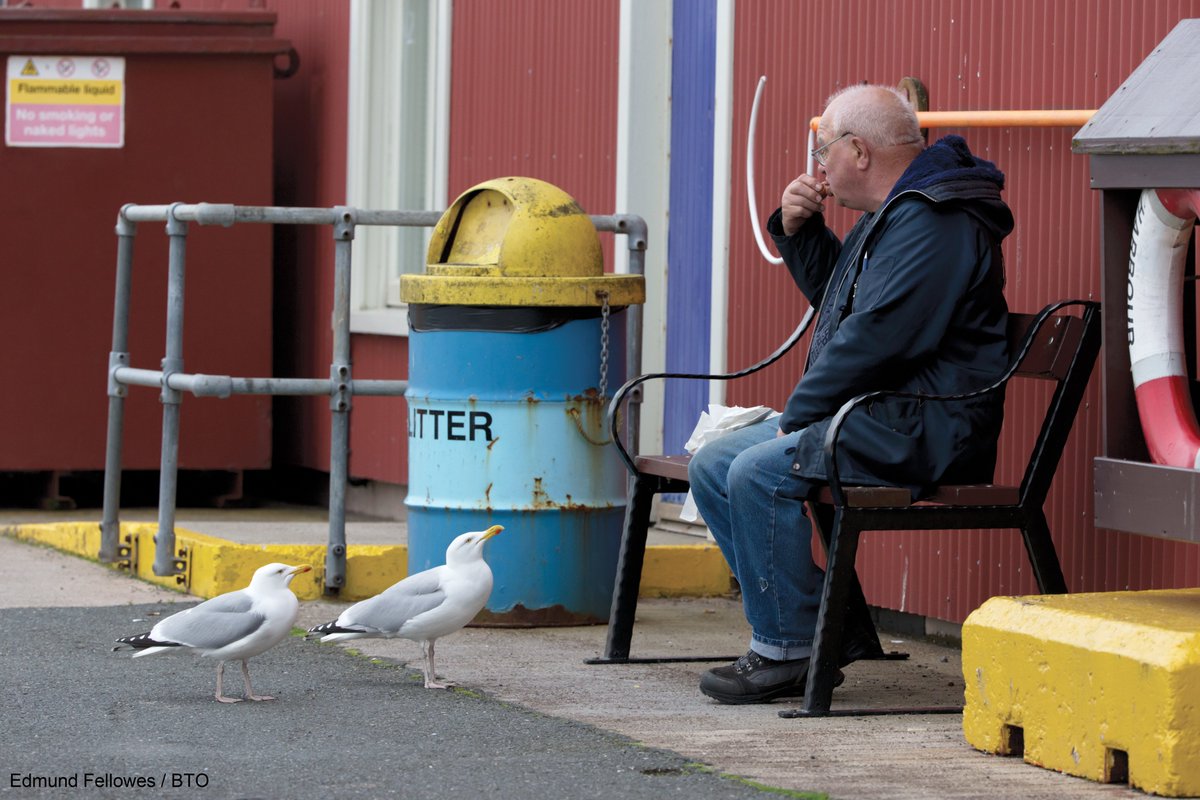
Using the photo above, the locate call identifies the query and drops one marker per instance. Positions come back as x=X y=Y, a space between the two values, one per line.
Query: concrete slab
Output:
x=657 y=705
x=41 y=577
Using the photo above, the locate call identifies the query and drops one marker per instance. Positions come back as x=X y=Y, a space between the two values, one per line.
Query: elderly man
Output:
x=913 y=300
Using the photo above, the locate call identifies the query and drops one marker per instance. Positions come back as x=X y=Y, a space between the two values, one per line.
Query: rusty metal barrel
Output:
x=515 y=331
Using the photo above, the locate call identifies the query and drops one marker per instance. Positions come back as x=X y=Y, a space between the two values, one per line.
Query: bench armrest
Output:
x=835 y=428
x=614 y=405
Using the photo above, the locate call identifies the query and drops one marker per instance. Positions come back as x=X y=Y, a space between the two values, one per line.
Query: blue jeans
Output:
x=753 y=503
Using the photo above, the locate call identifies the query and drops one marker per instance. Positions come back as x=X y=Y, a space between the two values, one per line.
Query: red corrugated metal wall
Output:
x=535 y=94
x=970 y=55
x=310 y=170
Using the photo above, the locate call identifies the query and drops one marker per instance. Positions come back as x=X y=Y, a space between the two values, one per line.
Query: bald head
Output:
x=879 y=114
x=882 y=137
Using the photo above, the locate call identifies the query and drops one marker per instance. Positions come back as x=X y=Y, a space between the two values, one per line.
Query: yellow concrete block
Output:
x=372 y=568
x=684 y=570
x=216 y=566
x=1103 y=686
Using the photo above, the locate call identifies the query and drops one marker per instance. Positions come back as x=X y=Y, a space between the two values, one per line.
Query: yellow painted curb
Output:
x=685 y=570
x=1103 y=686
x=215 y=566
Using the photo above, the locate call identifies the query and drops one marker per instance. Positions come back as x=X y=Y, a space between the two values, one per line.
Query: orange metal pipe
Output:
x=998 y=119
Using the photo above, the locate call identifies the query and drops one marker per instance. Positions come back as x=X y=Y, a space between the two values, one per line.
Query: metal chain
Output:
x=603 y=343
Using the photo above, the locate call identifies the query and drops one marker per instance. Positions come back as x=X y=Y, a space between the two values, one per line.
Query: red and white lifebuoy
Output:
x=1161 y=230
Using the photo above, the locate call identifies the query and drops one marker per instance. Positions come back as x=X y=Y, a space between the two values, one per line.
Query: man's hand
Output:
x=802 y=198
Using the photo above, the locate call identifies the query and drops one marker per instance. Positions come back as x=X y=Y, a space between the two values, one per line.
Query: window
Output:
x=397 y=134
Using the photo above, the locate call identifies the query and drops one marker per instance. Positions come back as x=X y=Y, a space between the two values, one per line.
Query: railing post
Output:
x=118 y=356
x=341 y=396
x=164 y=550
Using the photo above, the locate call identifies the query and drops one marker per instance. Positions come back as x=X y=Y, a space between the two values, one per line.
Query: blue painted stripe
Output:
x=689 y=242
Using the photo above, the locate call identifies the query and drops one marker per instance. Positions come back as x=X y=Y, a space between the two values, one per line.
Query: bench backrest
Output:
x=1064 y=350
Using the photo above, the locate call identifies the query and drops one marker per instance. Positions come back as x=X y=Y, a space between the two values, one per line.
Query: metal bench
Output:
x=1050 y=345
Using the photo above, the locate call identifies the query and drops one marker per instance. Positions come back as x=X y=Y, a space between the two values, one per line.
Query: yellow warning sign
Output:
x=54 y=92
x=65 y=101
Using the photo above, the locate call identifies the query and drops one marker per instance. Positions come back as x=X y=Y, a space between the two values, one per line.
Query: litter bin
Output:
x=514 y=332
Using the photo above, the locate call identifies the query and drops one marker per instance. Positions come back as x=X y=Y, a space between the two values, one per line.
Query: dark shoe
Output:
x=756 y=679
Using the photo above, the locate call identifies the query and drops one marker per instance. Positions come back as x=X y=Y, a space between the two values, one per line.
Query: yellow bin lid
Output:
x=517 y=242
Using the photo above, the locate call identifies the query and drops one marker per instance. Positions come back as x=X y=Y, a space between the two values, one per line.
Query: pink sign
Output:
x=65 y=101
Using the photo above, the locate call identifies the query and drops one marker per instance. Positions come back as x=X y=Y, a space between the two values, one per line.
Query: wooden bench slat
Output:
x=898 y=497
x=674 y=467
x=979 y=494
x=869 y=496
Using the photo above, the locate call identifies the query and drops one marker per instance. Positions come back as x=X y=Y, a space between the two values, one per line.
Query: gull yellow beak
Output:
x=490 y=532
x=301 y=568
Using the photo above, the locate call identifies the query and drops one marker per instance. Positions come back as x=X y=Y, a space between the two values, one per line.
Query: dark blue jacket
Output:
x=911 y=300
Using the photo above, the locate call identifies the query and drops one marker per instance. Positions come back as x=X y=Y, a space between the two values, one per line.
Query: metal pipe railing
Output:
x=165 y=557
x=341 y=397
x=340 y=387
x=118 y=357
x=998 y=118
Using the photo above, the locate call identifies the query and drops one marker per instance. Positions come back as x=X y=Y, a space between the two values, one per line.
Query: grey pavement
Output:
x=529 y=720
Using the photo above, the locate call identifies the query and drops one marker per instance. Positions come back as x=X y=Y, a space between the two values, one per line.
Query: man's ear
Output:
x=862 y=153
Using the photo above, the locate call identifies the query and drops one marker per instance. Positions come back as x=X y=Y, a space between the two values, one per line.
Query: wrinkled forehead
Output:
x=827 y=126
x=825 y=134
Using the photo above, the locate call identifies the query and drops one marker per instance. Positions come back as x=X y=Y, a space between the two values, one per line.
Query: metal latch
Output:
x=182 y=566
x=127 y=554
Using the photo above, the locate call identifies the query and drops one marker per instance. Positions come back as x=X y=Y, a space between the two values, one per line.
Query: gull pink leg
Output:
x=430 y=669
x=221 y=698
x=250 y=695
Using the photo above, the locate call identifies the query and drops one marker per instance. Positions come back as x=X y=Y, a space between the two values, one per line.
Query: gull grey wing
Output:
x=388 y=611
x=230 y=601
x=207 y=627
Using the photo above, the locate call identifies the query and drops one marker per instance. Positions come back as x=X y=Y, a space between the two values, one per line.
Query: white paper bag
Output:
x=713 y=424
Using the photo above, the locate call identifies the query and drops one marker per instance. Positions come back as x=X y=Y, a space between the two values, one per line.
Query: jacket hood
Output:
x=947 y=170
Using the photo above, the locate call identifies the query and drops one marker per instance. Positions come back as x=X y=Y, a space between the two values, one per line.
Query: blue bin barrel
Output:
x=505 y=428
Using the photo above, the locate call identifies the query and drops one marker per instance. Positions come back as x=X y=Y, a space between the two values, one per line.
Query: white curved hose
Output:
x=750 y=201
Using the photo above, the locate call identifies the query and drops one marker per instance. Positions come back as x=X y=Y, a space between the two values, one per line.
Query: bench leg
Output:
x=1042 y=555
x=858 y=616
x=827 y=643
x=629 y=567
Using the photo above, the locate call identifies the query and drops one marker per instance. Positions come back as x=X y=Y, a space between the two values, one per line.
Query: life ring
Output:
x=1162 y=228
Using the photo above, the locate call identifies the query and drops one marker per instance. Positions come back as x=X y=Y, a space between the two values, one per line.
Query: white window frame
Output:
x=383 y=135
x=643 y=178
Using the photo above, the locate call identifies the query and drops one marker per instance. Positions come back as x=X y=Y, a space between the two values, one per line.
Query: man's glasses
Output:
x=820 y=153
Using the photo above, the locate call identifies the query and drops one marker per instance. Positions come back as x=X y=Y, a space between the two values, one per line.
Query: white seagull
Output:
x=235 y=625
x=425 y=606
